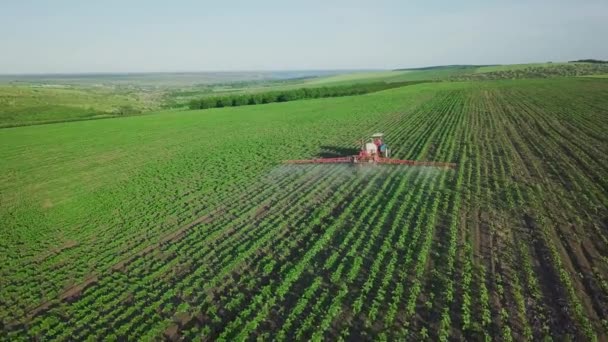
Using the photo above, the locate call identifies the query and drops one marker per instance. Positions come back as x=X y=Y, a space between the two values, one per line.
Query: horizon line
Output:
x=94 y=73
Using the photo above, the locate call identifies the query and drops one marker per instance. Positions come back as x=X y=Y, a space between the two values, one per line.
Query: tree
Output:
x=223 y=102
x=269 y=98
x=205 y=103
x=194 y=104
x=254 y=99
x=240 y=100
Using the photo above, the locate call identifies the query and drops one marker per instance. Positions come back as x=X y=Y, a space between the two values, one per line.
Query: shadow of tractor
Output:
x=337 y=151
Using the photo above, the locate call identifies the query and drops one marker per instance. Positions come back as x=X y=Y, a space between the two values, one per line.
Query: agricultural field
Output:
x=187 y=224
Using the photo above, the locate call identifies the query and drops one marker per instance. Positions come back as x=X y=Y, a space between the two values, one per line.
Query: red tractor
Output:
x=374 y=151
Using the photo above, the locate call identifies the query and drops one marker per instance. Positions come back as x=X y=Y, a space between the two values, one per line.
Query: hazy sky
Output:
x=189 y=35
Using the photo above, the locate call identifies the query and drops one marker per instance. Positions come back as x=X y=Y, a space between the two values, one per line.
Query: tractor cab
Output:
x=375 y=147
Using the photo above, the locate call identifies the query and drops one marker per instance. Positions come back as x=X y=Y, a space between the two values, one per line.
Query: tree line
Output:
x=599 y=61
x=234 y=100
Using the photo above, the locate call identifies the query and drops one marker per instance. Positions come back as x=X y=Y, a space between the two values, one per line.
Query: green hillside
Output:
x=24 y=105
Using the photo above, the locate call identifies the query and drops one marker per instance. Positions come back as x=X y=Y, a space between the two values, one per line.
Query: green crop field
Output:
x=187 y=224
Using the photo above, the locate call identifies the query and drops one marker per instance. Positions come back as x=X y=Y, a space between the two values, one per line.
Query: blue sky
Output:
x=187 y=35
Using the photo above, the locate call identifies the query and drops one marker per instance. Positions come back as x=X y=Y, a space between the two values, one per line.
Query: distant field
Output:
x=165 y=79
x=347 y=79
x=510 y=67
x=454 y=72
x=597 y=76
x=186 y=225
x=541 y=70
x=437 y=73
x=39 y=102
x=23 y=105
x=37 y=99
x=373 y=76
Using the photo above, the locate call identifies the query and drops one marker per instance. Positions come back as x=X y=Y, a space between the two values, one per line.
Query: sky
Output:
x=73 y=36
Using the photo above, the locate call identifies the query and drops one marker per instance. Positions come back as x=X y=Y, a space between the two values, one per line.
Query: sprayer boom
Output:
x=371 y=160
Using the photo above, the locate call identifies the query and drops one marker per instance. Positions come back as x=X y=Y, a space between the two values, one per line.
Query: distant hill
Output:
x=443 y=67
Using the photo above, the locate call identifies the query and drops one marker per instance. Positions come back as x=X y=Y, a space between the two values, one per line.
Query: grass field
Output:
x=26 y=105
x=187 y=224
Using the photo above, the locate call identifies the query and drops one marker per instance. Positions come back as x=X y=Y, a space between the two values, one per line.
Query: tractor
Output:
x=373 y=151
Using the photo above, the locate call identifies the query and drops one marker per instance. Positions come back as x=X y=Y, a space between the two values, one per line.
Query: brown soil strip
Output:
x=54 y=251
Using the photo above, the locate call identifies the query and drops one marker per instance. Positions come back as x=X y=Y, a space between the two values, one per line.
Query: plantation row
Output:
x=511 y=245
x=293 y=94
